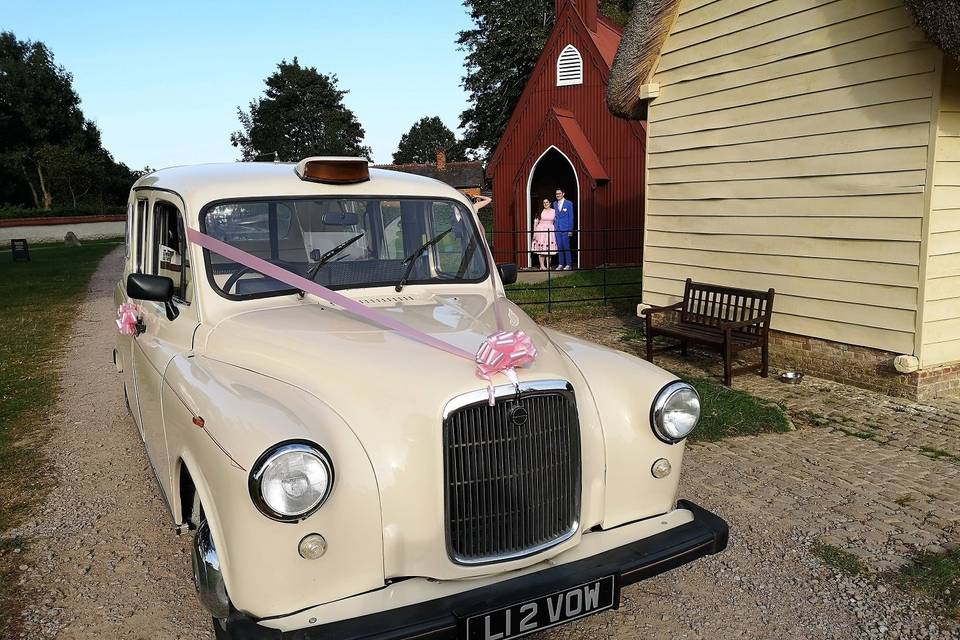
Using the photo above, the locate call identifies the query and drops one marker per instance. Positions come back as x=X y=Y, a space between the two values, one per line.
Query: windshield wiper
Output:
x=331 y=254
x=412 y=258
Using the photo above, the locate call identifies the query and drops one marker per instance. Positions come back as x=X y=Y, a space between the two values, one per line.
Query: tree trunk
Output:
x=47 y=198
x=33 y=190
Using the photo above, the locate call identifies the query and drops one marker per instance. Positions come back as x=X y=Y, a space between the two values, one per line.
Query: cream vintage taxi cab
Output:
x=289 y=348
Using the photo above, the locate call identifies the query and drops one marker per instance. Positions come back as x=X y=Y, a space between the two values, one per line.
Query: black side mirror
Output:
x=508 y=273
x=143 y=286
x=151 y=288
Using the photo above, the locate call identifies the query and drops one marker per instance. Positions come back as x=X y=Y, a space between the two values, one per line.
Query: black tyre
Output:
x=199 y=525
x=219 y=630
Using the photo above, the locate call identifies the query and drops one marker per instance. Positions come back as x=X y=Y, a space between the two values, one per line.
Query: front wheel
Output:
x=207 y=577
x=219 y=629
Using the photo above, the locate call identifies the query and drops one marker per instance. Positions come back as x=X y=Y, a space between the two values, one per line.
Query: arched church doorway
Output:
x=553 y=171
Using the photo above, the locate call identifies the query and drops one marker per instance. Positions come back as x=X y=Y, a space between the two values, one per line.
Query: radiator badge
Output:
x=519 y=416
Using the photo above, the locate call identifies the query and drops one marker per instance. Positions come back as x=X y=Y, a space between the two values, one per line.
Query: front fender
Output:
x=244 y=414
x=623 y=389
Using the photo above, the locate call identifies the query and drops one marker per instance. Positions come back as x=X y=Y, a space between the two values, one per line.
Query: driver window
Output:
x=170 y=248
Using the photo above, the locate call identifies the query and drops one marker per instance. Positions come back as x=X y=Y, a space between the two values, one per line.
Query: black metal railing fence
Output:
x=607 y=268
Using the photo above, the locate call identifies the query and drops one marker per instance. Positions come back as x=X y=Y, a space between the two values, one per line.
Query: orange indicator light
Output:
x=334 y=170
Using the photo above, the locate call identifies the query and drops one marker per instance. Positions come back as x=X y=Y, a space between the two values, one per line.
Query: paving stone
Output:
x=860 y=465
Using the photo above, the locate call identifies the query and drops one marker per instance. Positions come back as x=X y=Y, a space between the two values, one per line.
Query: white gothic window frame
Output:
x=569 y=67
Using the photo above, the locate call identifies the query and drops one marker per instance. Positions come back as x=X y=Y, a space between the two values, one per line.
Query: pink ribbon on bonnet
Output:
x=502 y=352
x=498 y=353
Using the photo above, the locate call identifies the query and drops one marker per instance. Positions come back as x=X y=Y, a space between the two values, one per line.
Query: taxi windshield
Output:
x=344 y=243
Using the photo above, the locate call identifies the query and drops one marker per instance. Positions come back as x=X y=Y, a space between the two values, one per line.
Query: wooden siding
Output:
x=788 y=148
x=941 y=317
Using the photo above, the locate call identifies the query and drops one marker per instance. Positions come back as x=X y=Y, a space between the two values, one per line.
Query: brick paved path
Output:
x=875 y=475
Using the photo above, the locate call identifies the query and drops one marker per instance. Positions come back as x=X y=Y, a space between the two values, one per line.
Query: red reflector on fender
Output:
x=334 y=170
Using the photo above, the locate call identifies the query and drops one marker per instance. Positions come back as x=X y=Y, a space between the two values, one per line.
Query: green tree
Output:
x=425 y=138
x=38 y=107
x=80 y=176
x=47 y=147
x=301 y=114
x=502 y=49
x=618 y=11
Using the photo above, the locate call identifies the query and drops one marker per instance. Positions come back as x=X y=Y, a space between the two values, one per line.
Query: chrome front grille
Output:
x=512 y=485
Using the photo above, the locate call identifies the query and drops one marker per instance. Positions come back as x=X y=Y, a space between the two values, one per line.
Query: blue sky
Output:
x=163 y=80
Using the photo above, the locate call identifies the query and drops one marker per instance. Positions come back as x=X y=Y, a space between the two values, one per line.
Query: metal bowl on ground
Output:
x=791 y=377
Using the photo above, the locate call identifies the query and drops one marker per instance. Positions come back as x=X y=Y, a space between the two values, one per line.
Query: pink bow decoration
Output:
x=501 y=353
x=127 y=319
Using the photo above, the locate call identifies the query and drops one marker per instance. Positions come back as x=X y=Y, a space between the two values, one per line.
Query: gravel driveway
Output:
x=104 y=561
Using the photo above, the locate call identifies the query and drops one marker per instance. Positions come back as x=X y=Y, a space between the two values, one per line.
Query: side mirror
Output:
x=143 y=286
x=508 y=273
x=151 y=288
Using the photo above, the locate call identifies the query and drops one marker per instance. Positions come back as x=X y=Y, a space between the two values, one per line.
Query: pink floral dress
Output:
x=545 y=233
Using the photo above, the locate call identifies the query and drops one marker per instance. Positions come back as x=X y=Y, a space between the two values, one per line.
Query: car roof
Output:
x=199 y=185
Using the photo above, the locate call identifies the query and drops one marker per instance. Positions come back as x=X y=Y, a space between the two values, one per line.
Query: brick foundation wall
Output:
x=859 y=366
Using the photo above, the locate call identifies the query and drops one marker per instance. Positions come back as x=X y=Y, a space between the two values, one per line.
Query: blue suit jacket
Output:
x=564 y=221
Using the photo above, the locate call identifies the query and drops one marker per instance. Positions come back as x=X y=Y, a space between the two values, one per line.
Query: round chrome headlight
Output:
x=676 y=411
x=291 y=481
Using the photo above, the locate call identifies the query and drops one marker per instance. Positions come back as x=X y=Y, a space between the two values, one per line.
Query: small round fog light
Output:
x=313 y=546
x=661 y=468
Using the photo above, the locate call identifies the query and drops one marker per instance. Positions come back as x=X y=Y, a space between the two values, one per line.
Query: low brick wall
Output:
x=859 y=366
x=56 y=220
x=53 y=229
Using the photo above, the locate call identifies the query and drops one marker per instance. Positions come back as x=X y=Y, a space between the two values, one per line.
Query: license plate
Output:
x=543 y=612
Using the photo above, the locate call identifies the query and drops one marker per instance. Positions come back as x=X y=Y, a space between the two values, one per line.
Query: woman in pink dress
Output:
x=545 y=235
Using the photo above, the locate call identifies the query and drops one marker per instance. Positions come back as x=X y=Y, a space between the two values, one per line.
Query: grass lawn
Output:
x=839 y=559
x=40 y=300
x=935 y=576
x=572 y=289
x=725 y=412
x=728 y=413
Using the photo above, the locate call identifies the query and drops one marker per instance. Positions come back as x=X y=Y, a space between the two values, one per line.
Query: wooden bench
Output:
x=726 y=319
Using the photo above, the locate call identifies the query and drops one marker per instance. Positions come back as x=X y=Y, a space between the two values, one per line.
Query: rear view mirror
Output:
x=341 y=219
x=508 y=273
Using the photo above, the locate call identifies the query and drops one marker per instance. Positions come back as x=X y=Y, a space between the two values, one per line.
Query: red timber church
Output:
x=561 y=134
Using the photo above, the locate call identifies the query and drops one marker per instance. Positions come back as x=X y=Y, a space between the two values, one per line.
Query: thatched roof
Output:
x=940 y=20
x=639 y=49
x=652 y=20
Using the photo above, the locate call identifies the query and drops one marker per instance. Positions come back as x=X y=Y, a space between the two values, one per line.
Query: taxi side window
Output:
x=126 y=232
x=170 y=248
x=139 y=238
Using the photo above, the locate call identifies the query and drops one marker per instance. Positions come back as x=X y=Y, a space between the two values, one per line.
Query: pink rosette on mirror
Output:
x=502 y=353
x=127 y=319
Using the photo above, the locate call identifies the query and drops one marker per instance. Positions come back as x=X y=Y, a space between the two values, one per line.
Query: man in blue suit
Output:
x=564 y=224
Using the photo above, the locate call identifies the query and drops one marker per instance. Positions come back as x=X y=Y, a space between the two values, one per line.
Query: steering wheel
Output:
x=239 y=273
